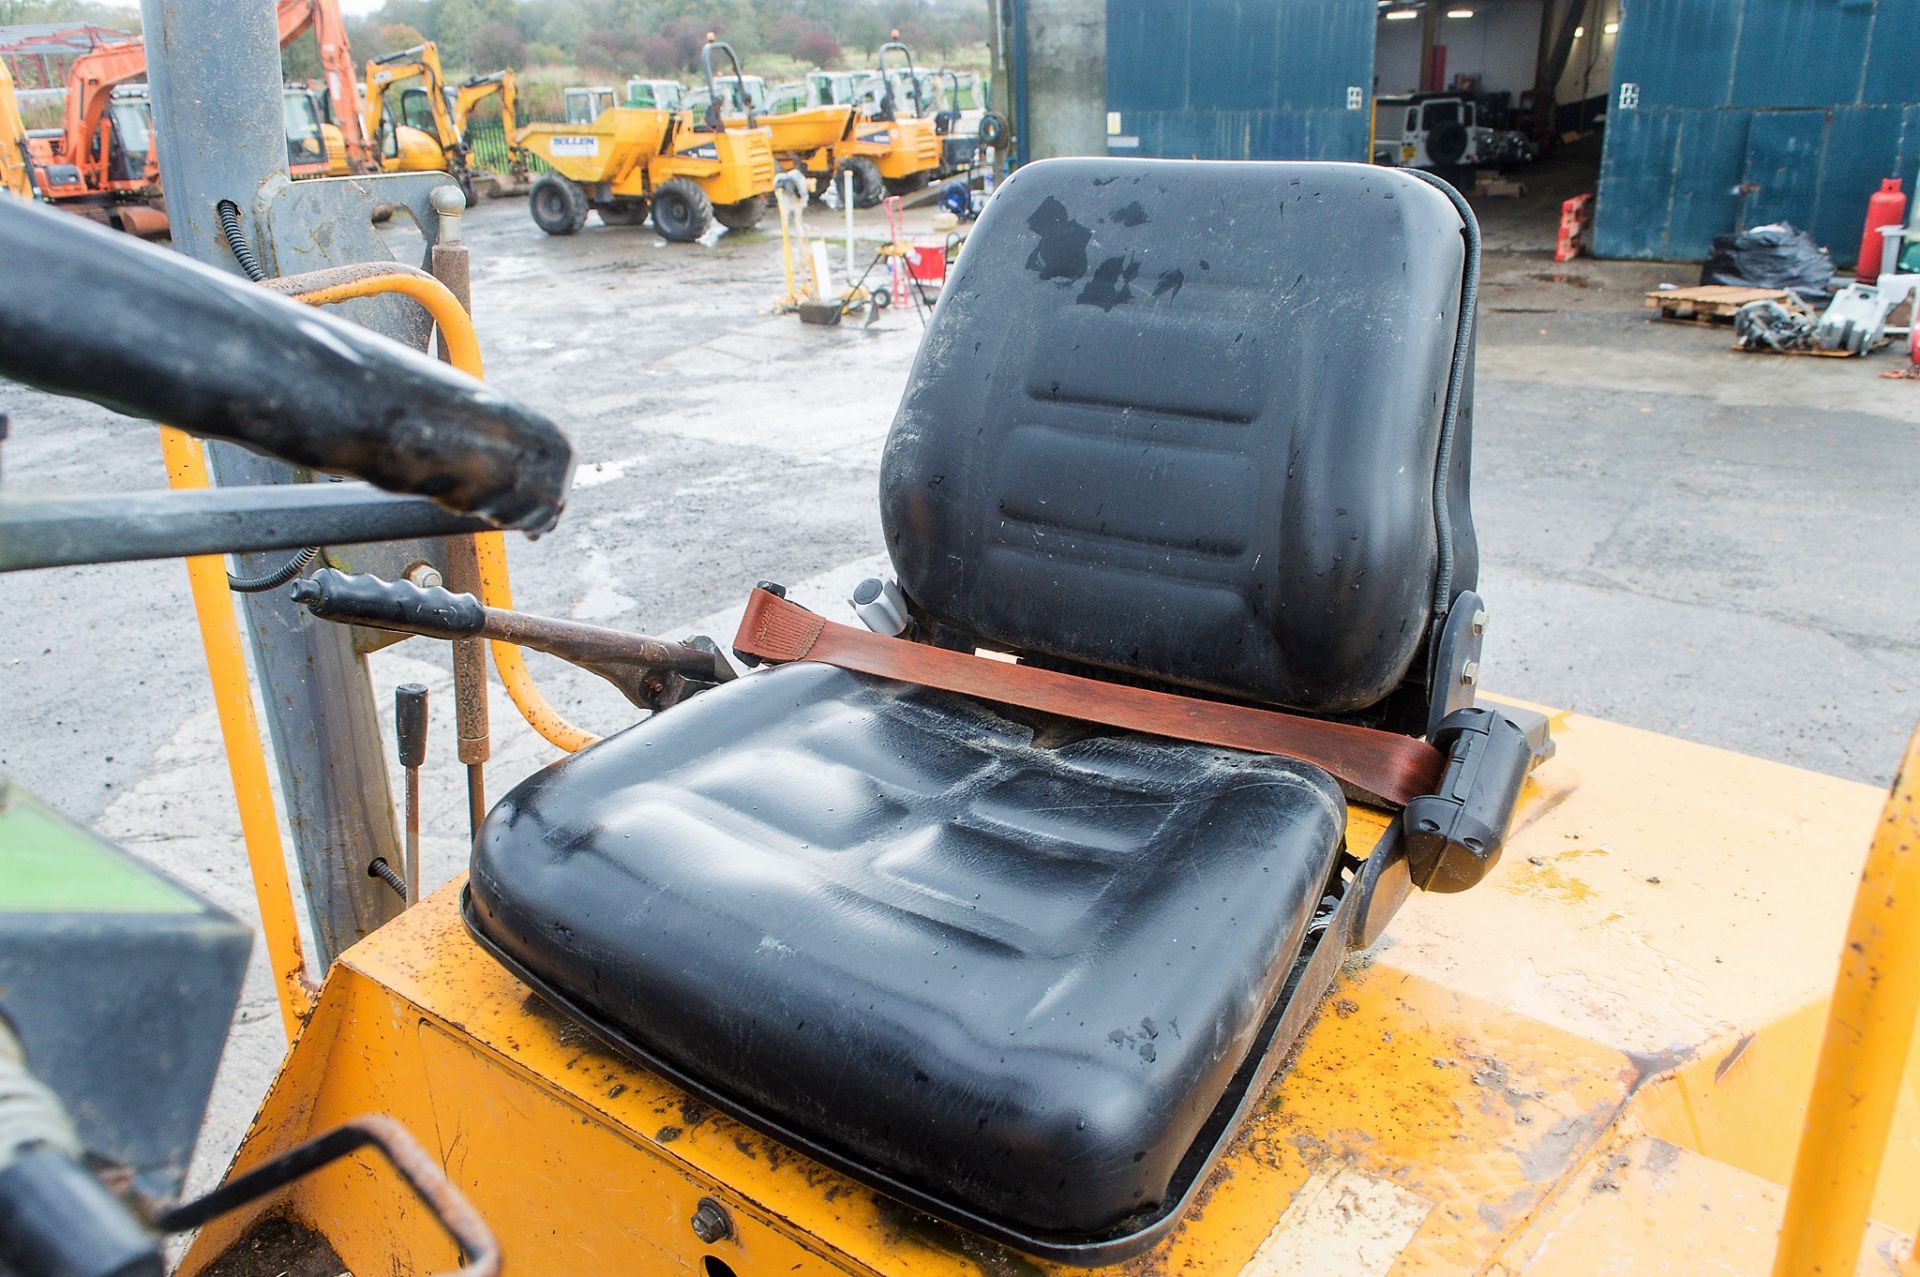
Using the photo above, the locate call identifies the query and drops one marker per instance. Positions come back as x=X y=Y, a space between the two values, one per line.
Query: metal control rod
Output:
x=650 y=672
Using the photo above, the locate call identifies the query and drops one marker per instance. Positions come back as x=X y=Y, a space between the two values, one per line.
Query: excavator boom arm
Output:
x=336 y=62
x=421 y=62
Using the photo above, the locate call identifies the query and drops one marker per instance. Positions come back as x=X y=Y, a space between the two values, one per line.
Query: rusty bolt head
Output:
x=1470 y=673
x=711 y=1223
x=1480 y=621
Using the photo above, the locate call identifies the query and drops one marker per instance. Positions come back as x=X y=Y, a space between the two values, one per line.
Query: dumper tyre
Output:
x=869 y=188
x=623 y=212
x=559 y=207
x=743 y=215
x=681 y=210
x=908 y=184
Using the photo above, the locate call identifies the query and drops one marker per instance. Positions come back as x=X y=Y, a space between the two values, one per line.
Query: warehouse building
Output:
x=1714 y=114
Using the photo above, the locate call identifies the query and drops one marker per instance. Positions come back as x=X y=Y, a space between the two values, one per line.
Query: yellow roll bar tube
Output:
x=326 y=287
x=226 y=661
x=246 y=756
x=1863 y=1055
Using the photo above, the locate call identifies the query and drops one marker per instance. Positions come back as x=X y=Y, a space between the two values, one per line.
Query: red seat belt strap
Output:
x=1396 y=768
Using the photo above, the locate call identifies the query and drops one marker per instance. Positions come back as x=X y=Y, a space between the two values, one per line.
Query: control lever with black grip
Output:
x=652 y=673
x=154 y=334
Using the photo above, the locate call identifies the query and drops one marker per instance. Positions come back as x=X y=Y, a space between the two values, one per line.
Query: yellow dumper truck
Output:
x=628 y=162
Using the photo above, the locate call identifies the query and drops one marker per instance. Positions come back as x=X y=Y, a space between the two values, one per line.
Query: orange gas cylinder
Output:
x=1887 y=207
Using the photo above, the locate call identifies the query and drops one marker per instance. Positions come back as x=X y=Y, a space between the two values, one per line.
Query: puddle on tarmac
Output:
x=595 y=473
x=599 y=600
x=1555 y=277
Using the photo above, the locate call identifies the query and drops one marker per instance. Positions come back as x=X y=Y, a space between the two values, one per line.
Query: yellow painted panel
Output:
x=1666 y=896
x=1465 y=1083
x=1648 y=1207
x=1742 y=1101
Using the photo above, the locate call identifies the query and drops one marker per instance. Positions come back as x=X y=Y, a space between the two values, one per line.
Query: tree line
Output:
x=659 y=37
x=662 y=37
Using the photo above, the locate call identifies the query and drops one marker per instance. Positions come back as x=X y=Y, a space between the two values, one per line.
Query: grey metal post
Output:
x=1066 y=76
x=218 y=124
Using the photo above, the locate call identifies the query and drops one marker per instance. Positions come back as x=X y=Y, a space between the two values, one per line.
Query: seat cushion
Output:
x=1012 y=964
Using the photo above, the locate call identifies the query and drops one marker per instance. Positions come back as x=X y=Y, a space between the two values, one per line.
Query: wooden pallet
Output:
x=1711 y=303
x=1821 y=351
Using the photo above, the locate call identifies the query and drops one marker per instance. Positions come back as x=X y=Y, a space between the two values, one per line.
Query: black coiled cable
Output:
x=278 y=577
x=237 y=240
x=243 y=253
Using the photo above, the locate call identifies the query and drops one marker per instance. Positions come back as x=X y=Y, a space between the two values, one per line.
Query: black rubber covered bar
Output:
x=148 y=332
x=333 y=595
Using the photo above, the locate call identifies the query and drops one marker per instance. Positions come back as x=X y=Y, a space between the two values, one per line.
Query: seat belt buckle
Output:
x=1454 y=836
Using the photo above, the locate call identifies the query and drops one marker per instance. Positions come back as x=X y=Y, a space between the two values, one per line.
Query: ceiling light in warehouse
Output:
x=1459 y=13
x=1578 y=32
x=1400 y=15
x=1610 y=28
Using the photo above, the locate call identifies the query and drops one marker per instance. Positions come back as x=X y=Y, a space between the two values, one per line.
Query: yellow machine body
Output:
x=13 y=140
x=799 y=134
x=819 y=138
x=337 y=165
x=626 y=152
x=1599 y=1062
x=903 y=148
x=414 y=151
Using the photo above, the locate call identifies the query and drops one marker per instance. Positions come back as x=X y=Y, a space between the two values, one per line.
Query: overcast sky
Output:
x=352 y=8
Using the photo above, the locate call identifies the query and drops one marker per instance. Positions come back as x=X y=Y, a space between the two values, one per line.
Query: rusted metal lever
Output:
x=413 y=1163
x=652 y=673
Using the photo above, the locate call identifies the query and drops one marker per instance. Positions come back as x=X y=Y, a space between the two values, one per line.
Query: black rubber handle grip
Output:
x=102 y=316
x=410 y=722
x=332 y=595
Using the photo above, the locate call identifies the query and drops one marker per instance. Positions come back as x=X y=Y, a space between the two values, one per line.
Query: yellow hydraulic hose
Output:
x=492 y=550
x=325 y=287
x=246 y=756
x=1864 y=1053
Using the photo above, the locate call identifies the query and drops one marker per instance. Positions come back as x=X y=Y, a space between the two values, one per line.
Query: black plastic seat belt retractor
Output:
x=1455 y=835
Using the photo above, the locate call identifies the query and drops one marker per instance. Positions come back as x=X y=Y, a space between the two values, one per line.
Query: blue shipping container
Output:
x=1736 y=113
x=1239 y=79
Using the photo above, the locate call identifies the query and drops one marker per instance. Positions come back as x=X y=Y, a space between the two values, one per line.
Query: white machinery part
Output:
x=1856 y=320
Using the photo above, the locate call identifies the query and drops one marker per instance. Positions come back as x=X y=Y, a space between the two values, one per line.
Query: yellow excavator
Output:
x=16 y=166
x=1137 y=878
x=418 y=122
x=470 y=93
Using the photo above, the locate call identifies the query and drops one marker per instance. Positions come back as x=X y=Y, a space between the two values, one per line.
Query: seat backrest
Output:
x=1181 y=420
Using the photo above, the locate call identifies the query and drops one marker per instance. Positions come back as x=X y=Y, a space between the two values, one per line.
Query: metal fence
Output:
x=487 y=143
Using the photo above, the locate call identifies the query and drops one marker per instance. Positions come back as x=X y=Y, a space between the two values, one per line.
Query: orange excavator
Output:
x=343 y=113
x=101 y=163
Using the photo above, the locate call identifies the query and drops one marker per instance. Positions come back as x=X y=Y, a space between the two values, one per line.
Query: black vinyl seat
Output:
x=1018 y=971
x=1173 y=422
